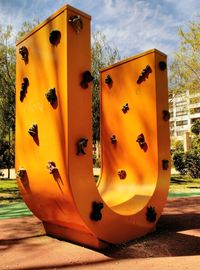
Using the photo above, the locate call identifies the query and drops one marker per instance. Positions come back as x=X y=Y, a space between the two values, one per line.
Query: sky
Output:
x=131 y=26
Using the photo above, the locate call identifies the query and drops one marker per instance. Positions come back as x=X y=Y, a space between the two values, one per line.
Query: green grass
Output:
x=11 y=202
x=183 y=186
x=9 y=192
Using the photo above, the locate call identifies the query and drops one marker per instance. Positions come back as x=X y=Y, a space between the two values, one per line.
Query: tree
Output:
x=7 y=96
x=185 y=68
x=7 y=92
x=102 y=55
x=179 y=158
x=196 y=127
x=192 y=158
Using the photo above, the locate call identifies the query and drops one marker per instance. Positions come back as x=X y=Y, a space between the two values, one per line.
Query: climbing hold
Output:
x=51 y=96
x=141 y=140
x=52 y=167
x=108 y=80
x=144 y=74
x=166 y=115
x=162 y=65
x=125 y=108
x=21 y=173
x=122 y=174
x=113 y=139
x=76 y=22
x=81 y=144
x=55 y=37
x=23 y=90
x=151 y=214
x=87 y=77
x=24 y=53
x=33 y=131
x=96 y=211
x=165 y=164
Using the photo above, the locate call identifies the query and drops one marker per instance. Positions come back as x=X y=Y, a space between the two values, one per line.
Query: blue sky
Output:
x=132 y=26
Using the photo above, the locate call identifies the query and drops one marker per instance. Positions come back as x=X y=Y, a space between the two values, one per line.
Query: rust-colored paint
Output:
x=56 y=178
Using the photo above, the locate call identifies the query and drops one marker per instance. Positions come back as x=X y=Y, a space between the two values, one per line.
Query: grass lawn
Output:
x=12 y=205
x=183 y=186
x=11 y=202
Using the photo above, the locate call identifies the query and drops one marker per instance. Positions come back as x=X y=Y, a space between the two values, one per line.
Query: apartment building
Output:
x=184 y=110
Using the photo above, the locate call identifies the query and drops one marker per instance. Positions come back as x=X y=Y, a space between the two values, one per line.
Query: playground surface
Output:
x=174 y=245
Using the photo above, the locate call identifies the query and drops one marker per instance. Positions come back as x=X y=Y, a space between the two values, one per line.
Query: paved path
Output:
x=175 y=245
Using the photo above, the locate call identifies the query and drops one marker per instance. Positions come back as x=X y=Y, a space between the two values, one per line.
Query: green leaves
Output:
x=103 y=55
x=185 y=68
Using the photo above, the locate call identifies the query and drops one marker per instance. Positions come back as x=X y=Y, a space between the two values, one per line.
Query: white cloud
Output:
x=130 y=25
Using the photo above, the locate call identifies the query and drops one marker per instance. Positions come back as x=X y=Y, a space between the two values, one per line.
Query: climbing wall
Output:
x=53 y=99
x=135 y=131
x=54 y=135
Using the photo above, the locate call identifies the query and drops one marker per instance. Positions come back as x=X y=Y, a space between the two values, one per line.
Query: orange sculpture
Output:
x=54 y=135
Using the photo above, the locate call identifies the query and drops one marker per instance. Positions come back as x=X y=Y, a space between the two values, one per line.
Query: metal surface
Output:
x=60 y=189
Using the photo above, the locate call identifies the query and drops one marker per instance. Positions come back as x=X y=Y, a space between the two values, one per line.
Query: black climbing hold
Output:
x=113 y=139
x=162 y=65
x=151 y=214
x=87 y=77
x=24 y=53
x=165 y=164
x=33 y=131
x=96 y=214
x=21 y=173
x=76 y=22
x=81 y=144
x=122 y=174
x=51 y=96
x=23 y=90
x=166 y=115
x=144 y=74
x=55 y=37
x=125 y=108
x=108 y=80
x=52 y=167
x=141 y=140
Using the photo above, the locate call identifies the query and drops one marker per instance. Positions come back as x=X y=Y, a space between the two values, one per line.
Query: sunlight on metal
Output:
x=58 y=186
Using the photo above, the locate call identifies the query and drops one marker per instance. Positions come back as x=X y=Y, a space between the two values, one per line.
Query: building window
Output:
x=172 y=132
x=181 y=123
x=181 y=103
x=194 y=100
x=194 y=119
x=195 y=110
x=180 y=132
x=170 y=106
x=181 y=113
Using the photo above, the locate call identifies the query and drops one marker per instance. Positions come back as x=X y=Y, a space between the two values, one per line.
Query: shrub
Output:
x=179 y=162
x=196 y=127
x=192 y=158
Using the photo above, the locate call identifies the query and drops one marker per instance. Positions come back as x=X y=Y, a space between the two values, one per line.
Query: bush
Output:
x=196 y=127
x=192 y=158
x=180 y=162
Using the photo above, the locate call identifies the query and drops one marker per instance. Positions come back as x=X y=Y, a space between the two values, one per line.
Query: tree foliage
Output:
x=7 y=91
x=188 y=162
x=192 y=158
x=185 y=68
x=196 y=127
x=103 y=55
x=7 y=81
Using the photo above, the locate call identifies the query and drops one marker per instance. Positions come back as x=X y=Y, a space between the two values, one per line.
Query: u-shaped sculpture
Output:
x=54 y=136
